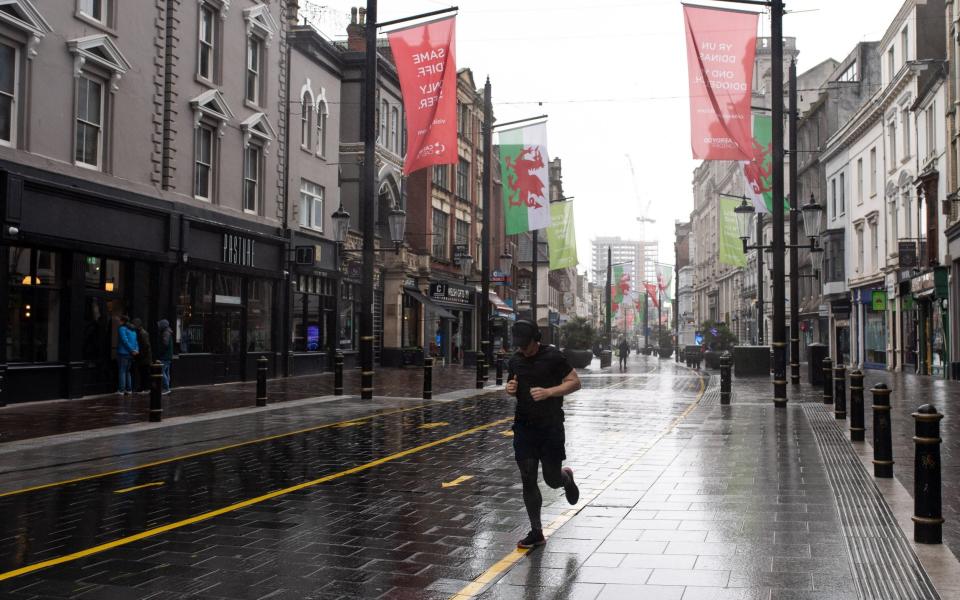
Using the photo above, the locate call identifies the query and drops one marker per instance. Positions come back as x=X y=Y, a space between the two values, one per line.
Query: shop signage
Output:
x=499 y=278
x=237 y=250
x=444 y=292
x=907 y=253
x=922 y=283
x=840 y=308
x=409 y=282
x=878 y=300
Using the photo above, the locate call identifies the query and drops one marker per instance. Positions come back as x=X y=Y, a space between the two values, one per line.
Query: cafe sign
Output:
x=237 y=250
x=444 y=292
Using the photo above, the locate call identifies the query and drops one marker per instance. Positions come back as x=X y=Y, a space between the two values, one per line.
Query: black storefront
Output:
x=315 y=291
x=77 y=256
x=453 y=338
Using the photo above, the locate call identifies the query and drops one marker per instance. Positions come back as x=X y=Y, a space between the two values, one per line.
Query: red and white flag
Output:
x=425 y=56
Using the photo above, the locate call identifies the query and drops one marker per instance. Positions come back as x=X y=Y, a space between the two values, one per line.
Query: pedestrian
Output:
x=144 y=359
x=539 y=376
x=127 y=350
x=623 y=351
x=165 y=351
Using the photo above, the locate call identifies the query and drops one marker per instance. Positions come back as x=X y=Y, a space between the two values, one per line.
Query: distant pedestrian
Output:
x=165 y=351
x=145 y=357
x=539 y=376
x=127 y=350
x=623 y=351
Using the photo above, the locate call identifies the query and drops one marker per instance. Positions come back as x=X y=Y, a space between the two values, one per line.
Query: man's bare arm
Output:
x=570 y=384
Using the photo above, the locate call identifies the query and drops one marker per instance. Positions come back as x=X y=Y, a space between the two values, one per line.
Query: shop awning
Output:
x=500 y=307
x=438 y=310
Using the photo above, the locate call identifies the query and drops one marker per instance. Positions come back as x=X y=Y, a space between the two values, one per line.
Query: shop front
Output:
x=870 y=303
x=453 y=338
x=420 y=318
x=953 y=329
x=313 y=305
x=840 y=315
x=931 y=300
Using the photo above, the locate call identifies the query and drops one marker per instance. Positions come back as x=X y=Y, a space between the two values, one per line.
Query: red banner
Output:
x=652 y=293
x=720 y=51
x=426 y=62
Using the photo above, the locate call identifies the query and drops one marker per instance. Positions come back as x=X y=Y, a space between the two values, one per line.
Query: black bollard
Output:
x=156 y=388
x=499 y=360
x=480 y=362
x=882 y=438
x=827 y=381
x=486 y=366
x=840 y=391
x=338 y=374
x=927 y=507
x=262 y=381
x=428 y=378
x=856 y=406
x=725 y=378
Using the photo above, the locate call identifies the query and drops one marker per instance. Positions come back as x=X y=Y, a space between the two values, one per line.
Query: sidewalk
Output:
x=39 y=419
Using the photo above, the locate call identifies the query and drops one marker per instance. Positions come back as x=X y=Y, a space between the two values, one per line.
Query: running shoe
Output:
x=533 y=539
x=570 y=488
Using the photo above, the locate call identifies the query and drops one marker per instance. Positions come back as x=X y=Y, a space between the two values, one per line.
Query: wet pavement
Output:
x=329 y=498
x=37 y=419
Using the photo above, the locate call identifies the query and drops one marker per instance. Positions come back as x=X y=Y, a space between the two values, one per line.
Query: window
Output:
x=259 y=315
x=859 y=230
x=349 y=311
x=441 y=177
x=95 y=9
x=254 y=69
x=33 y=305
x=206 y=54
x=891 y=67
x=905 y=119
x=395 y=129
x=441 y=222
x=833 y=198
x=306 y=107
x=463 y=120
x=203 y=165
x=873 y=171
x=859 y=181
x=463 y=179
x=384 y=123
x=312 y=316
x=322 y=128
x=843 y=194
x=905 y=45
x=892 y=134
x=462 y=234
x=89 y=122
x=251 y=178
x=850 y=73
x=9 y=57
x=894 y=233
x=907 y=217
x=874 y=246
x=931 y=135
x=311 y=205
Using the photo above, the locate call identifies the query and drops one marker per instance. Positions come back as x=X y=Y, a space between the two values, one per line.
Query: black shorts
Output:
x=543 y=442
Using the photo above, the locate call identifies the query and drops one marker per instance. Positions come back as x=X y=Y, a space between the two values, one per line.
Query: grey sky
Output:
x=612 y=76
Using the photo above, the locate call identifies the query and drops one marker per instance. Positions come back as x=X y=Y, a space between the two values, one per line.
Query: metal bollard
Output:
x=927 y=507
x=840 y=391
x=827 y=381
x=499 y=360
x=882 y=438
x=856 y=406
x=156 y=387
x=262 y=381
x=480 y=363
x=484 y=345
x=338 y=374
x=725 y=378
x=428 y=378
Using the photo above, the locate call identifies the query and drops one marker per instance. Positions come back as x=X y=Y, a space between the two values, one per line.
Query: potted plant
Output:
x=717 y=338
x=666 y=343
x=578 y=336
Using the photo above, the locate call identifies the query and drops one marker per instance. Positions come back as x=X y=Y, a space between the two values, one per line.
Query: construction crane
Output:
x=642 y=219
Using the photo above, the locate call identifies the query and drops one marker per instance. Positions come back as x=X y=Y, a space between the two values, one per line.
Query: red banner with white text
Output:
x=426 y=62
x=721 y=45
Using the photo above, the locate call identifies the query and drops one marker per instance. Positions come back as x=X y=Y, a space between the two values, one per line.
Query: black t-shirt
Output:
x=546 y=368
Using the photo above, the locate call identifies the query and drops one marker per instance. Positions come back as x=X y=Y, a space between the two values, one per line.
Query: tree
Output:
x=717 y=336
x=578 y=333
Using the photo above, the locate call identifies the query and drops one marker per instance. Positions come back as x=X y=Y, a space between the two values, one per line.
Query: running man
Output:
x=539 y=376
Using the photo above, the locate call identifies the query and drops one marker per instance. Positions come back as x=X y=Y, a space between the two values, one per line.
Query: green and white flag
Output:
x=758 y=172
x=525 y=172
x=731 y=247
x=561 y=238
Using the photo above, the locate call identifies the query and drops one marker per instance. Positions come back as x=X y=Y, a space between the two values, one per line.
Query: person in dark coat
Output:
x=165 y=351
x=144 y=359
x=623 y=351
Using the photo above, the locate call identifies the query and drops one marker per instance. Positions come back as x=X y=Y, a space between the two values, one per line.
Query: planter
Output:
x=712 y=358
x=666 y=352
x=750 y=361
x=578 y=359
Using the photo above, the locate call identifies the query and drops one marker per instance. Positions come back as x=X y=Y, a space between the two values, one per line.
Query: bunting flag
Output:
x=525 y=172
x=721 y=45
x=731 y=247
x=758 y=171
x=425 y=56
x=652 y=294
x=561 y=238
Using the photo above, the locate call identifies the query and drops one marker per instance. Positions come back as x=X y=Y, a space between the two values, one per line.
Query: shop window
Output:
x=260 y=315
x=102 y=274
x=349 y=296
x=33 y=316
x=312 y=308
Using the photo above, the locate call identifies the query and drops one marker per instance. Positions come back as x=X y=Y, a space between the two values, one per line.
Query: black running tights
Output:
x=552 y=476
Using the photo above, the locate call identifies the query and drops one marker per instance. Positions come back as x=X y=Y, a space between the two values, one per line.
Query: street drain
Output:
x=884 y=565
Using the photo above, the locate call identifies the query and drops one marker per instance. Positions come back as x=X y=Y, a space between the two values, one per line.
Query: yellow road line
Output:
x=507 y=433
x=490 y=575
x=433 y=425
x=457 y=481
x=351 y=423
x=210 y=451
x=138 y=487
x=243 y=504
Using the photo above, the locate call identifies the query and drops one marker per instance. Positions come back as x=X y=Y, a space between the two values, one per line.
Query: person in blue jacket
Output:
x=127 y=350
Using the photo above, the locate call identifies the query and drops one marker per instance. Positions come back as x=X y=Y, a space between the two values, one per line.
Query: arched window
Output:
x=322 y=128
x=305 y=111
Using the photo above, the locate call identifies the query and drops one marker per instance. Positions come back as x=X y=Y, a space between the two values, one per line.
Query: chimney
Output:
x=356 y=40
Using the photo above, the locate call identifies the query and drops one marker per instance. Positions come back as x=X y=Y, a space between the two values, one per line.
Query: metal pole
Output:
x=779 y=281
x=533 y=280
x=486 y=343
x=676 y=297
x=760 y=314
x=794 y=251
x=646 y=326
x=368 y=198
x=607 y=324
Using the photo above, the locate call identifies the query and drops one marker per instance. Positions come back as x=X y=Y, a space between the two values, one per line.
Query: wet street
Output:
x=329 y=498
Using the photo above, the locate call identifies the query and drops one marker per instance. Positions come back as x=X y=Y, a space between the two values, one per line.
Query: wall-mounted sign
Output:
x=444 y=292
x=907 y=254
x=878 y=300
x=237 y=250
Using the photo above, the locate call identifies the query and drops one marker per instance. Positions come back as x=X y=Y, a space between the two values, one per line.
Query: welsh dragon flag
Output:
x=758 y=171
x=525 y=172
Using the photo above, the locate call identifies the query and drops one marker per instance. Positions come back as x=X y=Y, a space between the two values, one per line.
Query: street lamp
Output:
x=812 y=223
x=745 y=214
x=466 y=266
x=396 y=223
x=816 y=258
x=506 y=262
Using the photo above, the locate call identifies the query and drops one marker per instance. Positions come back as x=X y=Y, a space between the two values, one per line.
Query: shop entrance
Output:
x=104 y=302
x=227 y=342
